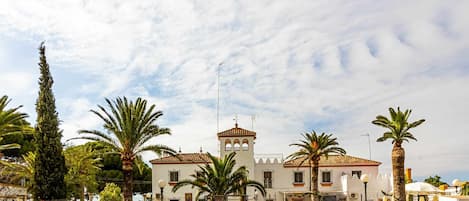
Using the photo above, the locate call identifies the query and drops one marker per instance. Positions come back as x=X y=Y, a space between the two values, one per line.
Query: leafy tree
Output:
x=435 y=181
x=220 y=179
x=25 y=139
x=11 y=122
x=20 y=173
x=111 y=169
x=129 y=126
x=83 y=166
x=111 y=192
x=398 y=132
x=49 y=166
x=312 y=148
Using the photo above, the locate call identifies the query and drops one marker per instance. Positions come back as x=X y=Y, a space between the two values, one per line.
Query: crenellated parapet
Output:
x=261 y=159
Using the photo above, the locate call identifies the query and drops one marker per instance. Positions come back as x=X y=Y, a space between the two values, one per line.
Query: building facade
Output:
x=284 y=180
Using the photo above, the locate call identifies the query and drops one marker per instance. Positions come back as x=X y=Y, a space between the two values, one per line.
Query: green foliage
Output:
x=398 y=126
x=25 y=139
x=435 y=181
x=220 y=178
x=19 y=173
x=11 y=122
x=83 y=165
x=128 y=127
x=111 y=192
x=465 y=189
x=49 y=166
x=111 y=170
x=313 y=146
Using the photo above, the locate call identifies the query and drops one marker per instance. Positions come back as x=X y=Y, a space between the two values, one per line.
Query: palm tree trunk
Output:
x=314 y=180
x=310 y=176
x=219 y=198
x=398 y=159
x=128 y=179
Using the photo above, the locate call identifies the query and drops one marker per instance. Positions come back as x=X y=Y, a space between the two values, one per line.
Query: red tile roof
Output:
x=183 y=158
x=237 y=132
x=335 y=161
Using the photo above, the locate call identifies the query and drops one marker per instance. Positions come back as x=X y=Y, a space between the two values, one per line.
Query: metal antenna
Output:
x=369 y=143
x=218 y=97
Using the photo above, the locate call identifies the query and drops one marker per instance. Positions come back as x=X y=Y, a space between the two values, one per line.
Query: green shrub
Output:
x=111 y=192
x=465 y=189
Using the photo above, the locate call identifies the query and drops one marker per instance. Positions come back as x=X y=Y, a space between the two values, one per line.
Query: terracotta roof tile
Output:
x=184 y=158
x=237 y=132
x=334 y=161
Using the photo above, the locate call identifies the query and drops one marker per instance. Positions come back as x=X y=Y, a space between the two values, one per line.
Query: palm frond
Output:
x=398 y=126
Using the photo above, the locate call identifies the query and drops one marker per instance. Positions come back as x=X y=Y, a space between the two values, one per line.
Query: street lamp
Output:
x=161 y=184
x=456 y=184
x=364 y=179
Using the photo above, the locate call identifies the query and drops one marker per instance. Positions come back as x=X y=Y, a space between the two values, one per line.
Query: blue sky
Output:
x=331 y=66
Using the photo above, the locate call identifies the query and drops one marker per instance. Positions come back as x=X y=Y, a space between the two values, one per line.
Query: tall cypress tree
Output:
x=50 y=167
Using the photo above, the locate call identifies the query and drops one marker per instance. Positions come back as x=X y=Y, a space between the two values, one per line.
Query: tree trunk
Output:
x=398 y=158
x=218 y=198
x=128 y=179
x=82 y=194
x=310 y=176
x=314 y=180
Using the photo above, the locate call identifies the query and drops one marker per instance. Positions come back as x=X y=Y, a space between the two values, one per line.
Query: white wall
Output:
x=161 y=171
x=283 y=178
x=343 y=184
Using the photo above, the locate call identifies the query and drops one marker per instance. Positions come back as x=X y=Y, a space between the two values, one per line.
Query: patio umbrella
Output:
x=421 y=188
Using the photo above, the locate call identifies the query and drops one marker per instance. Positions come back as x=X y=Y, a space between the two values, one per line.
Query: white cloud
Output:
x=325 y=65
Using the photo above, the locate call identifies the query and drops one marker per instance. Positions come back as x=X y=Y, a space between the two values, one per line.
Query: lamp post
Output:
x=161 y=184
x=364 y=178
x=456 y=184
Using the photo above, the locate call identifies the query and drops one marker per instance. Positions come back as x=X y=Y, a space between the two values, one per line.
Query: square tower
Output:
x=241 y=141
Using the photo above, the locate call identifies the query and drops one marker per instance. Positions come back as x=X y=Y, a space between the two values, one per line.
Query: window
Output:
x=298 y=177
x=357 y=172
x=236 y=147
x=268 y=179
x=245 y=145
x=173 y=176
x=326 y=177
x=228 y=145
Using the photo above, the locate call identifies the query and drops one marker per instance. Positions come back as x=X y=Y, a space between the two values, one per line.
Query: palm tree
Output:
x=398 y=132
x=83 y=165
x=220 y=179
x=20 y=171
x=11 y=122
x=312 y=148
x=129 y=126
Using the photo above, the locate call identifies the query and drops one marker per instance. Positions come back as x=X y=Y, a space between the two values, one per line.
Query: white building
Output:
x=283 y=180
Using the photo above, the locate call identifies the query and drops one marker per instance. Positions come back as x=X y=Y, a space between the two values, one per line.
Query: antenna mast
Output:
x=369 y=144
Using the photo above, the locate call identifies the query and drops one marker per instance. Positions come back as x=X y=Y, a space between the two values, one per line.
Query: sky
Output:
x=295 y=66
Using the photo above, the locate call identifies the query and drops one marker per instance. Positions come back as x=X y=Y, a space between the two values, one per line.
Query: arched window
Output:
x=228 y=145
x=236 y=145
x=245 y=145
